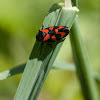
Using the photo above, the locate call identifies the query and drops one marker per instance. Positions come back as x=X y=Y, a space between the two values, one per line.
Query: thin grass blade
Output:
x=19 y=69
x=57 y=65
x=14 y=71
x=85 y=73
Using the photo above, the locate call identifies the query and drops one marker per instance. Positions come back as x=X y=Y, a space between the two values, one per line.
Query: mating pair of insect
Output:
x=52 y=34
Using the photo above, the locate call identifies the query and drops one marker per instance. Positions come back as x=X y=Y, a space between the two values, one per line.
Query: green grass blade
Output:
x=63 y=66
x=14 y=71
x=85 y=73
x=82 y=64
x=19 y=69
x=41 y=59
x=56 y=50
x=57 y=65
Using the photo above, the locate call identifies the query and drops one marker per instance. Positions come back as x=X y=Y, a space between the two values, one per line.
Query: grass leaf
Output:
x=57 y=65
x=85 y=73
x=14 y=71
x=41 y=59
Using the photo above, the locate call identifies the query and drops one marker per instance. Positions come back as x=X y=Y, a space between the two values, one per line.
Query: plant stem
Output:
x=42 y=59
x=68 y=3
x=84 y=71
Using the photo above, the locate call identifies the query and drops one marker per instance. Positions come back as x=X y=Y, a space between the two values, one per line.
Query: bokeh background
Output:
x=20 y=20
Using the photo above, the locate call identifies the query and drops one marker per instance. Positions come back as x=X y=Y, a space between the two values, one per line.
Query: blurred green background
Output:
x=20 y=21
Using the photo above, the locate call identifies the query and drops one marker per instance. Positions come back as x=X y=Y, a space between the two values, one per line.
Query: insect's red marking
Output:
x=60 y=27
x=51 y=28
x=62 y=34
x=45 y=30
x=56 y=31
x=47 y=37
x=53 y=38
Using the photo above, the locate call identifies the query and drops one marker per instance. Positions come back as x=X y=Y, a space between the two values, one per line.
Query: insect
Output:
x=52 y=34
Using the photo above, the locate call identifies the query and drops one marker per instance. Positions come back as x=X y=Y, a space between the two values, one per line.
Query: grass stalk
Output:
x=84 y=70
x=85 y=73
x=57 y=65
x=41 y=59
